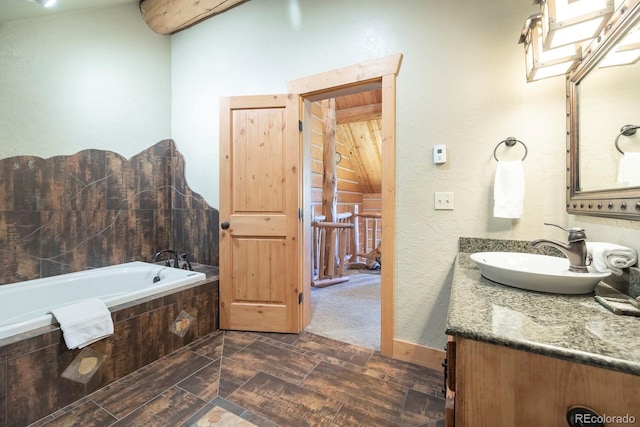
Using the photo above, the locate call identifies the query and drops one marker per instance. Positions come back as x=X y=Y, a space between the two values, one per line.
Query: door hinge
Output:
x=300 y=125
x=300 y=214
x=300 y=298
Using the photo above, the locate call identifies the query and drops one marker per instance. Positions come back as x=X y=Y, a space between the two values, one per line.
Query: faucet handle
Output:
x=575 y=233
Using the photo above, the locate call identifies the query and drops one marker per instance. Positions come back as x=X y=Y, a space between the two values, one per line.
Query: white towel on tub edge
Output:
x=84 y=322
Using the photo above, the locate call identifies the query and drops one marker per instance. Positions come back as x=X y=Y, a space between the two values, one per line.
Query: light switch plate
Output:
x=443 y=200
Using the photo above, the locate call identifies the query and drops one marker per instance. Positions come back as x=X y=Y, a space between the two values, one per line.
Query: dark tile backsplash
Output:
x=96 y=208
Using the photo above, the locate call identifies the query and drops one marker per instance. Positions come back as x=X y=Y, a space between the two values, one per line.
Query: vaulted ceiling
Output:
x=359 y=128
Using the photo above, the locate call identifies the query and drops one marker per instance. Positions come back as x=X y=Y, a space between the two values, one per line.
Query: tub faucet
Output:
x=186 y=264
x=173 y=253
x=575 y=249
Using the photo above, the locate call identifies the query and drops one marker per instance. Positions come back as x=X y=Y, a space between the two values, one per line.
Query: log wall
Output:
x=349 y=187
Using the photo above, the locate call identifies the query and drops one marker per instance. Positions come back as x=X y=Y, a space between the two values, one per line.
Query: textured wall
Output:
x=96 y=82
x=96 y=208
x=88 y=79
x=461 y=83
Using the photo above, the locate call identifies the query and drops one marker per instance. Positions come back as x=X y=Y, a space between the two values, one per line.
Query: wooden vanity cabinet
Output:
x=496 y=386
x=450 y=381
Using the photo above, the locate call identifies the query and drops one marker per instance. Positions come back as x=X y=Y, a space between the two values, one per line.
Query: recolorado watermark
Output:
x=589 y=419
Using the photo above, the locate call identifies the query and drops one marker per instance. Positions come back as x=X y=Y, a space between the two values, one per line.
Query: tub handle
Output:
x=224 y=225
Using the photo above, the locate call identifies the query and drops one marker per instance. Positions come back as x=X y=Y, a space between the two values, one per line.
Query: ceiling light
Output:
x=567 y=22
x=541 y=63
x=45 y=3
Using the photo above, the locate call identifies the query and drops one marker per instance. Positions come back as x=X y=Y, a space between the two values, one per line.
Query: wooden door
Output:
x=260 y=286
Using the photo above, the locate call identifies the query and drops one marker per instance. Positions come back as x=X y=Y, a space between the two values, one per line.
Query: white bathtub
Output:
x=27 y=305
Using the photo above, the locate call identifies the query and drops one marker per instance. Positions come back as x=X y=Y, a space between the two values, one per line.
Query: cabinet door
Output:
x=500 y=387
x=450 y=386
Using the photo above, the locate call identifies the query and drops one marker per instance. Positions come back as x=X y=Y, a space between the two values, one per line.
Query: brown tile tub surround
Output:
x=31 y=364
x=96 y=208
x=265 y=380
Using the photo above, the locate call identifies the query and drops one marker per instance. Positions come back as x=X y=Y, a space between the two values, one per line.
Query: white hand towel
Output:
x=508 y=189
x=611 y=258
x=84 y=322
x=629 y=169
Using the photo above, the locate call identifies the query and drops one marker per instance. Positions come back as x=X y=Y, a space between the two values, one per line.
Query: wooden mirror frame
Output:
x=615 y=203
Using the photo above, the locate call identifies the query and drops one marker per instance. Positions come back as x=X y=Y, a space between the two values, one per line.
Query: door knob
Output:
x=224 y=225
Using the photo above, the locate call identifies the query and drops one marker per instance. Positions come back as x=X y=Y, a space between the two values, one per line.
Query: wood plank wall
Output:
x=352 y=191
x=349 y=187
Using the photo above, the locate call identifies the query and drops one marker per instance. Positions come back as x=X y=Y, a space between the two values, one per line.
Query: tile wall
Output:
x=34 y=366
x=96 y=208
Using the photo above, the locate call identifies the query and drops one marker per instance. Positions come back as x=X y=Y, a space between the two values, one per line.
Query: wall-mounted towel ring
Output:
x=510 y=142
x=626 y=130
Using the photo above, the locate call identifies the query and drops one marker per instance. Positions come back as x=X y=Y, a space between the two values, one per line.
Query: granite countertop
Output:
x=571 y=327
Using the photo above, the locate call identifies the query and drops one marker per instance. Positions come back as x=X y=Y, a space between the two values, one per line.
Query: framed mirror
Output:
x=603 y=111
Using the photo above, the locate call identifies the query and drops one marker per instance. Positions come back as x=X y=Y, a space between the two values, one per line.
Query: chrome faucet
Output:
x=575 y=249
x=174 y=254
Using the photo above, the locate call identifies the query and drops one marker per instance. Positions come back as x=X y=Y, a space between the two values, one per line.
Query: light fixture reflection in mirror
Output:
x=626 y=52
x=541 y=63
x=566 y=22
x=599 y=101
x=608 y=99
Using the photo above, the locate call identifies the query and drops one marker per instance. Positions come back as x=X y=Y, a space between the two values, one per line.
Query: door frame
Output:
x=378 y=73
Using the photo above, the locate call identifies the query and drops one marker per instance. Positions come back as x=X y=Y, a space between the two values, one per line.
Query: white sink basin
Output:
x=534 y=272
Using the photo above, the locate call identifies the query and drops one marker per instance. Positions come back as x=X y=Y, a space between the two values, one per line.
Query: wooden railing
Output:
x=369 y=245
x=330 y=246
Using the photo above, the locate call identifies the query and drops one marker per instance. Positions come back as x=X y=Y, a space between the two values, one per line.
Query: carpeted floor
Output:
x=349 y=311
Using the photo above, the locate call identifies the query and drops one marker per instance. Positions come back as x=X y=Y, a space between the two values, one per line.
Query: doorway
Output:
x=346 y=212
x=373 y=75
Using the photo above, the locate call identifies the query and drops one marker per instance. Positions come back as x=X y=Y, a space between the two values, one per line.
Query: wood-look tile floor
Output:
x=255 y=379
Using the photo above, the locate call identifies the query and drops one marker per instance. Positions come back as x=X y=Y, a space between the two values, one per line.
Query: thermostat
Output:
x=439 y=154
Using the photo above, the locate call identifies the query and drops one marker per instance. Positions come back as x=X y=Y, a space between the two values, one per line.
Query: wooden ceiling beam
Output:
x=359 y=114
x=170 y=16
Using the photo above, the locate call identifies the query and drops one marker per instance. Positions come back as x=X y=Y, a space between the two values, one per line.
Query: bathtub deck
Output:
x=246 y=379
